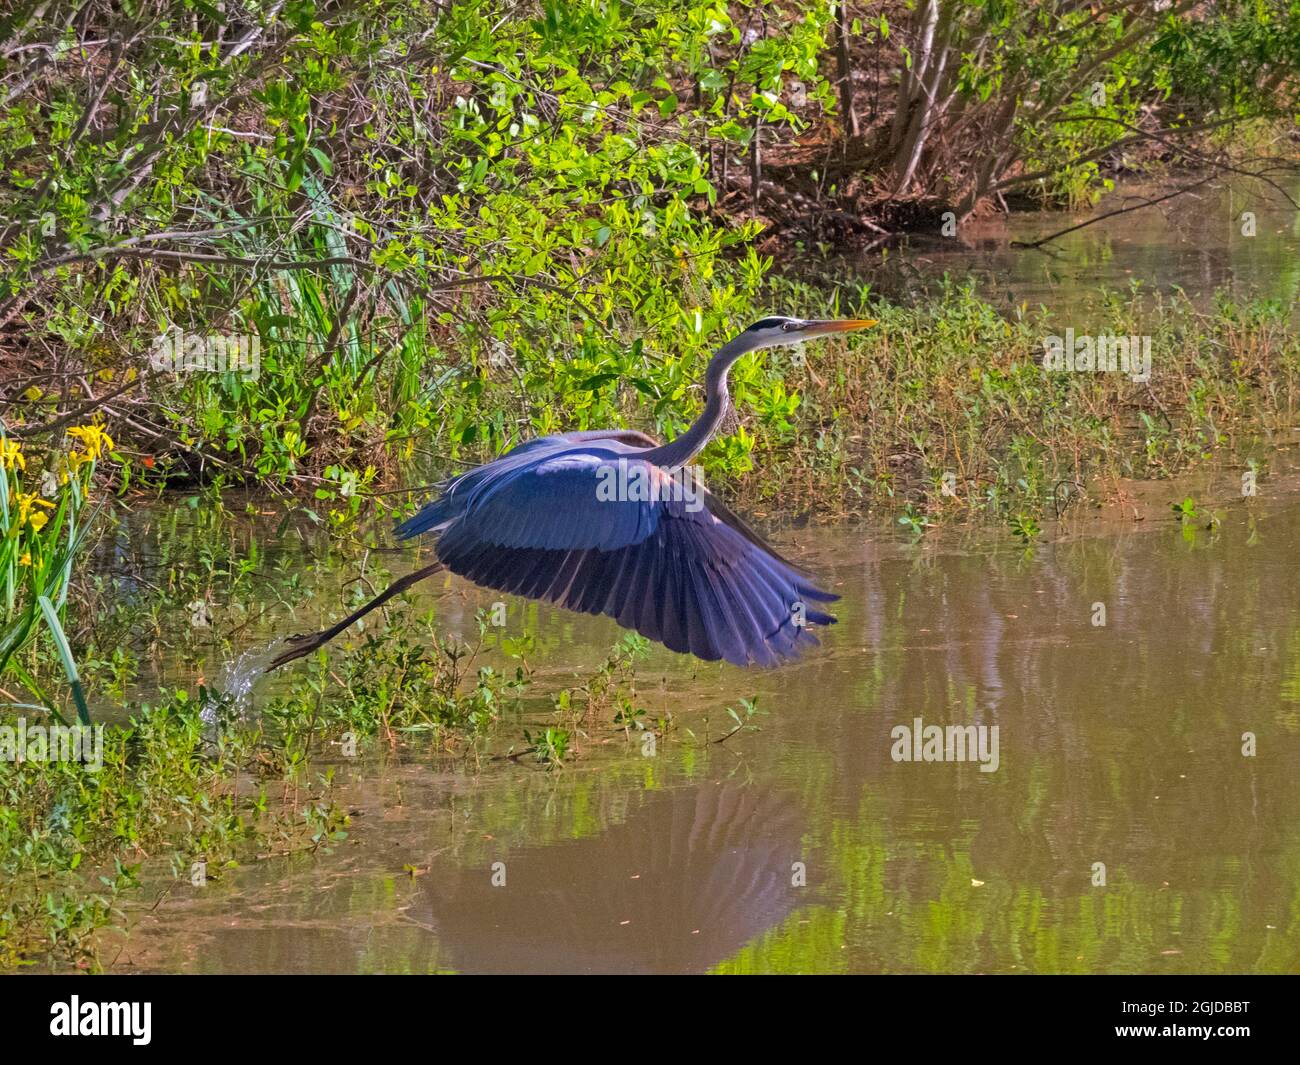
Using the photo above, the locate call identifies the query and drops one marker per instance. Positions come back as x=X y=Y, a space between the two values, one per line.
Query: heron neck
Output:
x=680 y=451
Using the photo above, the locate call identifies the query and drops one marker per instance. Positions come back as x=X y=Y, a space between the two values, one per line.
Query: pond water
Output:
x=808 y=846
x=1195 y=244
x=1137 y=677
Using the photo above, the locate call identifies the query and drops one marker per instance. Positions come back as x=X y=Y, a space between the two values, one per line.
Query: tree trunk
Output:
x=909 y=79
x=844 y=70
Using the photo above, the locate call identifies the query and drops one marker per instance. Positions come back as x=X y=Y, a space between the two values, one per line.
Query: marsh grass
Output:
x=951 y=385
x=955 y=387
x=194 y=778
x=174 y=789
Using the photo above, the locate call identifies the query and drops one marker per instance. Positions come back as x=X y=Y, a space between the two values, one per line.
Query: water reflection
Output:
x=1193 y=243
x=1124 y=831
x=1121 y=761
x=688 y=879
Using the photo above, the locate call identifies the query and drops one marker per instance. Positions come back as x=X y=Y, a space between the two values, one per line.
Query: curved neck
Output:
x=678 y=452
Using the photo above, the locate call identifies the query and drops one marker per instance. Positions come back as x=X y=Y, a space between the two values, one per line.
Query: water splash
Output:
x=233 y=687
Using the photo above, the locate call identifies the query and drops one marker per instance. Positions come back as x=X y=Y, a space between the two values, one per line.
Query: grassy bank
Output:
x=191 y=787
x=947 y=409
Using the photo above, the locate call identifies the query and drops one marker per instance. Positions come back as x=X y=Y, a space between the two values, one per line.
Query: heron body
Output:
x=666 y=558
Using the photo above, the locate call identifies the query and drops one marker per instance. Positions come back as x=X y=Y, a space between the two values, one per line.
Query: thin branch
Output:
x=1196 y=156
x=1111 y=214
x=119 y=252
x=79 y=412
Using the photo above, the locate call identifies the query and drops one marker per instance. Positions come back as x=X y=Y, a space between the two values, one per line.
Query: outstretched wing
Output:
x=539 y=494
x=694 y=584
x=677 y=567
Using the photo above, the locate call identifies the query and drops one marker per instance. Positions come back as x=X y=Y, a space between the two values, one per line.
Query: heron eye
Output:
x=787 y=326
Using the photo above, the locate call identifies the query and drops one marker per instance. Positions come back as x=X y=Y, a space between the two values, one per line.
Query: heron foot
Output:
x=296 y=646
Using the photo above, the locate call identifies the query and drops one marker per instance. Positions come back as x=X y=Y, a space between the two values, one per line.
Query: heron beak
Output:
x=848 y=325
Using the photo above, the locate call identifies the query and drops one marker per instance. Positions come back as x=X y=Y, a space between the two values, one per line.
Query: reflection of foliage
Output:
x=1289 y=717
x=452 y=225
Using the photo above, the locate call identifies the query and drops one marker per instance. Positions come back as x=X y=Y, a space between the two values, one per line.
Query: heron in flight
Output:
x=613 y=522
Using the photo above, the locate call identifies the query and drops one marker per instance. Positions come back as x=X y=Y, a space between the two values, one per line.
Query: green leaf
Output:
x=322 y=160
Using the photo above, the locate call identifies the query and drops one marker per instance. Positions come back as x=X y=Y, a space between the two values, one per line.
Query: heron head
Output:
x=775 y=331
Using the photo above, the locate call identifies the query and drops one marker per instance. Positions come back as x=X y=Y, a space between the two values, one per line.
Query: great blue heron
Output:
x=612 y=522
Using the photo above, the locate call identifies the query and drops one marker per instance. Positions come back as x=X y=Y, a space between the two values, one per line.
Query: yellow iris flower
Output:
x=11 y=455
x=93 y=439
x=28 y=512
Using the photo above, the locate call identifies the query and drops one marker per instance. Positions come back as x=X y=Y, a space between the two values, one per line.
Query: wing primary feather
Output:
x=752 y=638
x=722 y=633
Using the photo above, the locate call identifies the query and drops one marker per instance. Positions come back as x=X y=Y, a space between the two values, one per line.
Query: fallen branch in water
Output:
x=1182 y=190
x=304 y=644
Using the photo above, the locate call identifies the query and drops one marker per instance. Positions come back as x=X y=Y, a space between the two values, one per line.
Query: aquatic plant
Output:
x=40 y=539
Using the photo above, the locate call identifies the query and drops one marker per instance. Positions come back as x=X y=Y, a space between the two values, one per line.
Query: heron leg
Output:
x=305 y=643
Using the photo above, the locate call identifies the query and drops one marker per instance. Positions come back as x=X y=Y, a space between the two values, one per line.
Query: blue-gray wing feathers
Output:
x=694 y=578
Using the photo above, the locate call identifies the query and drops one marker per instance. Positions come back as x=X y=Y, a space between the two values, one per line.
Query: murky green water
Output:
x=1196 y=244
x=1123 y=830
x=806 y=846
